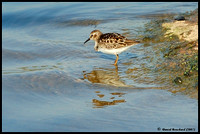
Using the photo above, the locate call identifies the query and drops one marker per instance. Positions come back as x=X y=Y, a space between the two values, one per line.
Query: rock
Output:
x=182 y=29
x=179 y=18
x=178 y=80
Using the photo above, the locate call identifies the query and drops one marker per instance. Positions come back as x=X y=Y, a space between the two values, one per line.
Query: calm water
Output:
x=52 y=82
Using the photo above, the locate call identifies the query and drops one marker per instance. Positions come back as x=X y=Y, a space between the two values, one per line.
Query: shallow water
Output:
x=52 y=82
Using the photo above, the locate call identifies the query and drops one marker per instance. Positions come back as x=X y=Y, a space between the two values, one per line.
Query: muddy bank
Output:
x=174 y=41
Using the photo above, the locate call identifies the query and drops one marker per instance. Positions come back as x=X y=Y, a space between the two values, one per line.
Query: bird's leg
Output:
x=117 y=57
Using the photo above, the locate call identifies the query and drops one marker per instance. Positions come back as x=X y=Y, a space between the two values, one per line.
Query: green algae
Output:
x=175 y=60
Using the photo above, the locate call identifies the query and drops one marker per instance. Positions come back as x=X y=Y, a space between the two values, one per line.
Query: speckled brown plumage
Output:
x=114 y=40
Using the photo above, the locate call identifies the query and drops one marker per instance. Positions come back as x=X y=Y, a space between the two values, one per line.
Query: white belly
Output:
x=113 y=51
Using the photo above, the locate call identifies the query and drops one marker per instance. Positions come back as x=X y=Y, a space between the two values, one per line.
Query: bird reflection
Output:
x=102 y=101
x=106 y=76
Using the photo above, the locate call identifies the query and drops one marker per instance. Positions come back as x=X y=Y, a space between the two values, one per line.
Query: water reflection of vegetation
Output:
x=33 y=68
x=86 y=22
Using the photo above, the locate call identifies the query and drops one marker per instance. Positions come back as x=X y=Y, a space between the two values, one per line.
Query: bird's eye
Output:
x=91 y=36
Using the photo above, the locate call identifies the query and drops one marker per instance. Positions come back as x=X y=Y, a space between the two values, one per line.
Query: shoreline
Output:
x=175 y=46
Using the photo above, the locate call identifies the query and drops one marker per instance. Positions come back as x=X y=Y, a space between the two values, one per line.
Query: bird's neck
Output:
x=97 y=40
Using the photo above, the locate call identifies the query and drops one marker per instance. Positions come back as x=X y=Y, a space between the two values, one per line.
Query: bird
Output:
x=110 y=43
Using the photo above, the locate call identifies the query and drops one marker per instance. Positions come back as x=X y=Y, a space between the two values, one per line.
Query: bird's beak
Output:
x=87 y=40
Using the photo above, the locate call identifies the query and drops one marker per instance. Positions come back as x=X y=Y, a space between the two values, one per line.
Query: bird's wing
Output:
x=114 y=40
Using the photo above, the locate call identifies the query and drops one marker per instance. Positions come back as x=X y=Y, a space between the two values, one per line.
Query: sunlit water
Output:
x=52 y=82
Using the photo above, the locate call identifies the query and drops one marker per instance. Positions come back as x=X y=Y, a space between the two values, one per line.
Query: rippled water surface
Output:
x=53 y=82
